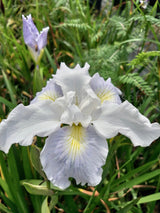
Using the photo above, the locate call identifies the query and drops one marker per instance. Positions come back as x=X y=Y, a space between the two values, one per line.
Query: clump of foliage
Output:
x=123 y=45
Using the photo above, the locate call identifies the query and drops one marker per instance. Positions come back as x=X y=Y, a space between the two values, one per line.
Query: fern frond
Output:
x=96 y=36
x=143 y=57
x=75 y=23
x=149 y=108
x=135 y=80
x=150 y=19
x=106 y=59
x=119 y=24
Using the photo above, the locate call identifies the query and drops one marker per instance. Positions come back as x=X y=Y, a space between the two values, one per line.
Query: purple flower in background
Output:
x=33 y=39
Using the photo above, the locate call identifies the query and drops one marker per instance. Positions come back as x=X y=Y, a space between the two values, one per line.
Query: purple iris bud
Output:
x=33 y=39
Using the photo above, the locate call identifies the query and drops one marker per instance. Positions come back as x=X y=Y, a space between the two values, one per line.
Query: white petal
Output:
x=51 y=91
x=73 y=115
x=105 y=90
x=72 y=79
x=24 y=122
x=127 y=120
x=88 y=101
x=74 y=152
x=79 y=113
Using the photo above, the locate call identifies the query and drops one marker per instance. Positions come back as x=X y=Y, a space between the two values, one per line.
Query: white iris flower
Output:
x=77 y=113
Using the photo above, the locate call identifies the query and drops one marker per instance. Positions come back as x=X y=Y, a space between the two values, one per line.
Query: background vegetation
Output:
x=121 y=44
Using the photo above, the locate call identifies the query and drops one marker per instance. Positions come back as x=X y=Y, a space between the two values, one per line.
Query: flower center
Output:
x=46 y=96
x=105 y=96
x=75 y=141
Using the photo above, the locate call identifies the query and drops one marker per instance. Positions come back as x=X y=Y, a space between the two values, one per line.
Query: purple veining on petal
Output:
x=42 y=38
x=35 y=40
x=30 y=31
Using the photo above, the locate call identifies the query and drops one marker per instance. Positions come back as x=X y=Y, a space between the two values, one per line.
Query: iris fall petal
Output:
x=127 y=120
x=74 y=152
x=24 y=122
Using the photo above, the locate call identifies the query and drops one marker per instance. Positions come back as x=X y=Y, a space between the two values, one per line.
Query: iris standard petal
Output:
x=24 y=122
x=79 y=113
x=33 y=27
x=73 y=79
x=51 y=91
x=30 y=32
x=73 y=115
x=127 y=120
x=42 y=38
x=105 y=90
x=88 y=101
x=74 y=152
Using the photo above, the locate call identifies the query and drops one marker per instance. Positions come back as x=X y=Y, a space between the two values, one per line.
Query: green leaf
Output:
x=44 y=207
x=69 y=204
x=128 y=207
x=138 y=180
x=4 y=209
x=7 y=103
x=35 y=159
x=53 y=65
x=53 y=202
x=37 y=80
x=5 y=187
x=149 y=198
x=36 y=187
x=9 y=87
x=133 y=172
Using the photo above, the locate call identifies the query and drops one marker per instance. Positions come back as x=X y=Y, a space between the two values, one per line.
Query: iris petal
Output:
x=127 y=120
x=51 y=91
x=24 y=122
x=76 y=79
x=42 y=38
x=30 y=32
x=74 y=152
x=105 y=90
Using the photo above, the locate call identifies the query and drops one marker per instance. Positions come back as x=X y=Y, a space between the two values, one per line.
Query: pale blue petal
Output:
x=105 y=90
x=30 y=32
x=124 y=118
x=74 y=152
x=51 y=91
x=24 y=122
x=42 y=38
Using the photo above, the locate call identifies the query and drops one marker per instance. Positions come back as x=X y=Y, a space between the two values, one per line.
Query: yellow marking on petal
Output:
x=105 y=96
x=76 y=141
x=46 y=96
